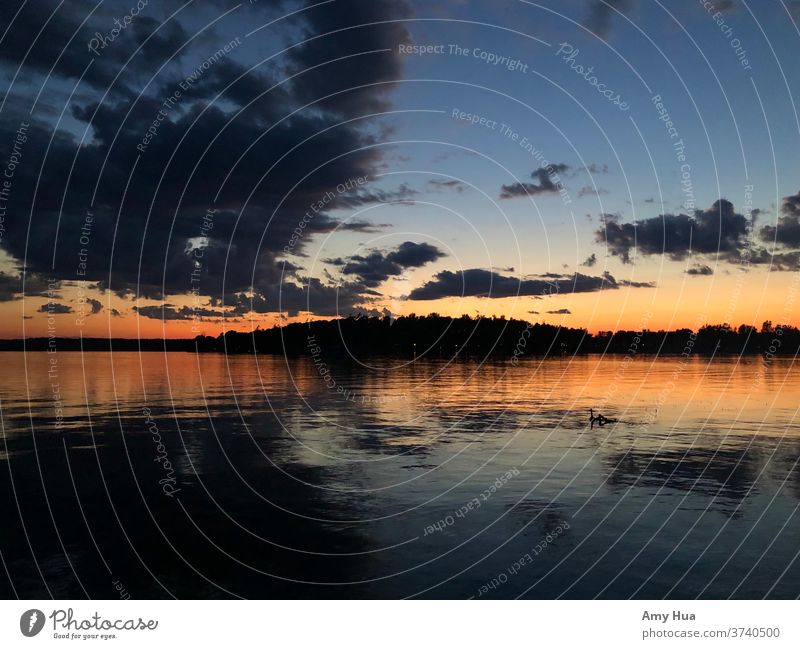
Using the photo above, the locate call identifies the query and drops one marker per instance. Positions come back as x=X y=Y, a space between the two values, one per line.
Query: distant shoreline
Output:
x=436 y=337
x=97 y=344
x=191 y=349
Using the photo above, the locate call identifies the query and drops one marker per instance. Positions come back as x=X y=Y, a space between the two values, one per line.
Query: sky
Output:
x=182 y=168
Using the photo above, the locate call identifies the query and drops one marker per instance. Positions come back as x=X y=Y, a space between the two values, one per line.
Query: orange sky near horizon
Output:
x=736 y=298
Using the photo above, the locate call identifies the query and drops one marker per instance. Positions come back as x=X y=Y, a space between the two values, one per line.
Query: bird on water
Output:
x=600 y=420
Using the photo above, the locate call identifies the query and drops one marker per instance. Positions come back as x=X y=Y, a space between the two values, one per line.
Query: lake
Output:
x=179 y=475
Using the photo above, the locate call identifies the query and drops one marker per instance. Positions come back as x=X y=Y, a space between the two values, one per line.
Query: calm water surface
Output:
x=427 y=479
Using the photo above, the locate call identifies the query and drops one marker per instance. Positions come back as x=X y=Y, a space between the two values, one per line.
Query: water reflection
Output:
x=727 y=475
x=287 y=488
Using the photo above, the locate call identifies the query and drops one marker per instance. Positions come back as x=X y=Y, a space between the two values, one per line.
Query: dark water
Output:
x=289 y=488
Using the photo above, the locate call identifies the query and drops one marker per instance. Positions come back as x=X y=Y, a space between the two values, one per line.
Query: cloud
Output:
x=547 y=182
x=96 y=305
x=561 y=312
x=206 y=152
x=310 y=295
x=169 y=312
x=533 y=312
x=601 y=14
x=403 y=194
x=55 y=307
x=787 y=231
x=778 y=261
x=11 y=286
x=366 y=81
x=597 y=169
x=442 y=185
x=62 y=45
x=591 y=191
x=718 y=229
x=591 y=260
x=376 y=267
x=632 y=284
x=478 y=282
x=700 y=269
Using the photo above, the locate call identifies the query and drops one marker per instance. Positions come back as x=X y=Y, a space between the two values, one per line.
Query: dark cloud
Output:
x=11 y=287
x=63 y=43
x=700 y=270
x=632 y=284
x=479 y=282
x=599 y=19
x=366 y=30
x=718 y=229
x=591 y=260
x=547 y=182
x=257 y=139
x=96 y=305
x=55 y=307
x=560 y=312
x=169 y=312
x=777 y=261
x=415 y=255
x=253 y=237
x=376 y=267
x=310 y=295
x=787 y=231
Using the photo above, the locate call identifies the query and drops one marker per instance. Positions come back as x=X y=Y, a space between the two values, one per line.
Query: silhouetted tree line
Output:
x=436 y=336
x=99 y=344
